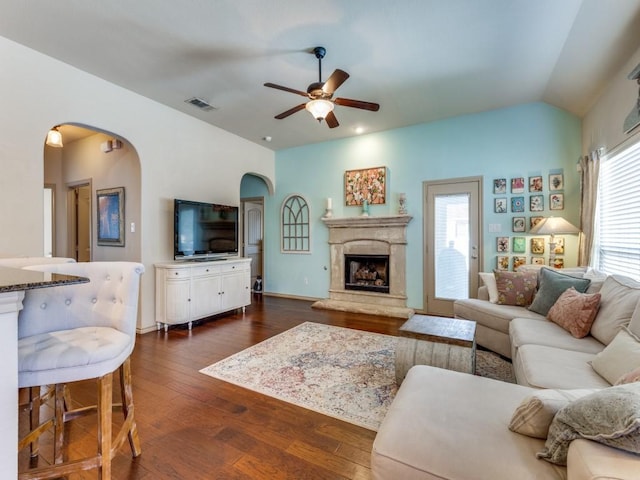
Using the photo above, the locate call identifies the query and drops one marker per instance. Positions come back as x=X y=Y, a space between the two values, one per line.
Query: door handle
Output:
x=474 y=252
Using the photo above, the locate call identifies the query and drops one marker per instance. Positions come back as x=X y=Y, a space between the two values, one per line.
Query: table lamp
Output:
x=553 y=226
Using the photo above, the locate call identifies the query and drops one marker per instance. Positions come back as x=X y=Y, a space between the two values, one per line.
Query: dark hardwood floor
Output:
x=195 y=427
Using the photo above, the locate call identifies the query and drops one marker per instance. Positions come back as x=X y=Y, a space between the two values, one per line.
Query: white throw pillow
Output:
x=535 y=413
x=489 y=280
x=619 y=357
x=620 y=295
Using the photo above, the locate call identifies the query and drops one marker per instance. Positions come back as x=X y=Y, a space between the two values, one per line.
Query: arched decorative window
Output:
x=296 y=234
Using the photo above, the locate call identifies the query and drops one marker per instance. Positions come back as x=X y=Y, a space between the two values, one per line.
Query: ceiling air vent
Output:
x=201 y=104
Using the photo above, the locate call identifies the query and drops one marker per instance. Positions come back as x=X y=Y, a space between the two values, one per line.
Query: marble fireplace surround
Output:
x=368 y=236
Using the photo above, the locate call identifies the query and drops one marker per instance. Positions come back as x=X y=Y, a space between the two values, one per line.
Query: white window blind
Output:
x=617 y=240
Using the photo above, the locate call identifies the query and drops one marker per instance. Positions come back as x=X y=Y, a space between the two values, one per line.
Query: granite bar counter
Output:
x=13 y=284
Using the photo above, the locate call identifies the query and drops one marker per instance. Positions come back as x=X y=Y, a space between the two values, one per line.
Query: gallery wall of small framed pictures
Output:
x=526 y=198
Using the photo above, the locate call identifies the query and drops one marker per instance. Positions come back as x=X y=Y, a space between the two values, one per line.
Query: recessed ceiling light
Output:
x=267 y=138
x=358 y=130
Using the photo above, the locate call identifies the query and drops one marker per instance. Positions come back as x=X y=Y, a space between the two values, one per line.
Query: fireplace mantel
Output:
x=381 y=235
x=350 y=222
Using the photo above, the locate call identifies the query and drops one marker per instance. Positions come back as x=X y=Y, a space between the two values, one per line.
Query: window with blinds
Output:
x=617 y=237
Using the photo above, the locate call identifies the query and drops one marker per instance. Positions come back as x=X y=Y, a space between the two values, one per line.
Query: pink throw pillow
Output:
x=575 y=311
x=629 y=377
x=516 y=288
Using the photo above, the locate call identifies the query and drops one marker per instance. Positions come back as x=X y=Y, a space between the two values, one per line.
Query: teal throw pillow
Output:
x=552 y=284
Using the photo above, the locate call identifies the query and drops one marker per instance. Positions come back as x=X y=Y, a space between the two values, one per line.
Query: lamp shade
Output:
x=319 y=108
x=554 y=226
x=54 y=138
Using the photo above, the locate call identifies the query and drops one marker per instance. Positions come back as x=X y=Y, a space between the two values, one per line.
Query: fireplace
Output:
x=366 y=272
x=368 y=265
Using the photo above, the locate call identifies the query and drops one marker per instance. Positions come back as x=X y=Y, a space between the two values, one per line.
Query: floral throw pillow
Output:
x=516 y=288
x=575 y=311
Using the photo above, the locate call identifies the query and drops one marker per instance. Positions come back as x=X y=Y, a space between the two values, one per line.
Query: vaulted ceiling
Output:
x=421 y=60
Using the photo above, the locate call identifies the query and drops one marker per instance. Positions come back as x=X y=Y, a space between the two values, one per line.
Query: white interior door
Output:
x=452 y=242
x=253 y=214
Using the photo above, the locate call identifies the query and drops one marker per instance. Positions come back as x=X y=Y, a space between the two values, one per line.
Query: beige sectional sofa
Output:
x=450 y=425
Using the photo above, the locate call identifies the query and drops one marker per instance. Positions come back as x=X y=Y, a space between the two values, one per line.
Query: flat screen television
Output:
x=204 y=230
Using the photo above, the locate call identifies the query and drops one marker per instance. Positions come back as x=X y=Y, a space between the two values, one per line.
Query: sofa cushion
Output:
x=450 y=425
x=619 y=298
x=551 y=285
x=496 y=317
x=540 y=366
x=575 y=311
x=592 y=461
x=620 y=356
x=515 y=288
x=523 y=331
x=489 y=280
x=610 y=416
x=535 y=413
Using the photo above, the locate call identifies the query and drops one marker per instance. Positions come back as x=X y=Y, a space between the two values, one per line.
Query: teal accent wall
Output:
x=521 y=141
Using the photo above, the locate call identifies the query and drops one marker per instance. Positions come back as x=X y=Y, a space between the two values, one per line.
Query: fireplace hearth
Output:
x=366 y=272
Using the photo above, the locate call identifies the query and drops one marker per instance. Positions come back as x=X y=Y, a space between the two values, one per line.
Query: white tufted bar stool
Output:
x=81 y=332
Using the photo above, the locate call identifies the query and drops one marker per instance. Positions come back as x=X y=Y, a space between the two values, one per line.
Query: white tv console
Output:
x=190 y=290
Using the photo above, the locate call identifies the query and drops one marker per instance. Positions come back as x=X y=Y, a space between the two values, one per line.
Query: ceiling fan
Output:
x=321 y=103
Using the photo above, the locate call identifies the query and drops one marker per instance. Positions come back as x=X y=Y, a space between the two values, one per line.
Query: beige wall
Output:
x=603 y=125
x=180 y=156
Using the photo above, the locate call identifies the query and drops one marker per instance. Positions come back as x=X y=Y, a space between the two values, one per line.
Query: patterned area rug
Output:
x=341 y=372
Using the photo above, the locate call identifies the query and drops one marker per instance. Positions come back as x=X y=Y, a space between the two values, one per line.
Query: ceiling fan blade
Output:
x=332 y=121
x=336 y=79
x=347 y=102
x=291 y=111
x=286 y=89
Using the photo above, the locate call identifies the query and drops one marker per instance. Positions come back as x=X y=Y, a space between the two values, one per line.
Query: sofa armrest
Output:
x=483 y=293
x=589 y=460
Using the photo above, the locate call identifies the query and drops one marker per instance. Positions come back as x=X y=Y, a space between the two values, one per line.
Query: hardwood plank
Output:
x=197 y=427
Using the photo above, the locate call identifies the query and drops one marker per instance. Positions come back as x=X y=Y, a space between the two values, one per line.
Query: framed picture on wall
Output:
x=518 y=261
x=500 y=185
x=502 y=262
x=537 y=246
x=533 y=221
x=110 y=210
x=517 y=204
x=500 y=205
x=535 y=184
x=519 y=244
x=502 y=244
x=518 y=224
x=556 y=182
x=368 y=184
x=517 y=185
x=537 y=260
x=536 y=203
x=556 y=201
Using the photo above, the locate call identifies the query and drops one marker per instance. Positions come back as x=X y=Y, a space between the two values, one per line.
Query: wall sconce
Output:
x=54 y=138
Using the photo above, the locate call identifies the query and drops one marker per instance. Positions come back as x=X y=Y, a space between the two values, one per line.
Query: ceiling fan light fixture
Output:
x=319 y=108
x=54 y=138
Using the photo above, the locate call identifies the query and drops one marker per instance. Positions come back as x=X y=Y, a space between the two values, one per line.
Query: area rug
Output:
x=340 y=372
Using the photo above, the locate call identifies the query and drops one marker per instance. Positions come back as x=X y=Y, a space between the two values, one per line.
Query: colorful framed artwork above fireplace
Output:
x=367 y=184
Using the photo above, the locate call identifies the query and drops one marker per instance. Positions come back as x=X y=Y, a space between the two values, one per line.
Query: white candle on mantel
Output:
x=329 y=203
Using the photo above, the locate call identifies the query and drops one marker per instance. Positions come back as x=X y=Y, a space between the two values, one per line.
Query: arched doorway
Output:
x=253 y=191
x=91 y=161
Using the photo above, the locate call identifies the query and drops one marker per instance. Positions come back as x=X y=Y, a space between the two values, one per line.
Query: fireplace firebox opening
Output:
x=366 y=272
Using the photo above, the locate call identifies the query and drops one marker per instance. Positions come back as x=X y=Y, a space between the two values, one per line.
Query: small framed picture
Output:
x=517 y=204
x=556 y=201
x=533 y=221
x=519 y=244
x=537 y=246
x=556 y=182
x=518 y=224
x=519 y=261
x=535 y=184
x=500 y=205
x=502 y=244
x=557 y=263
x=110 y=214
x=502 y=262
x=537 y=260
x=559 y=250
x=517 y=185
x=500 y=186
x=536 y=203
